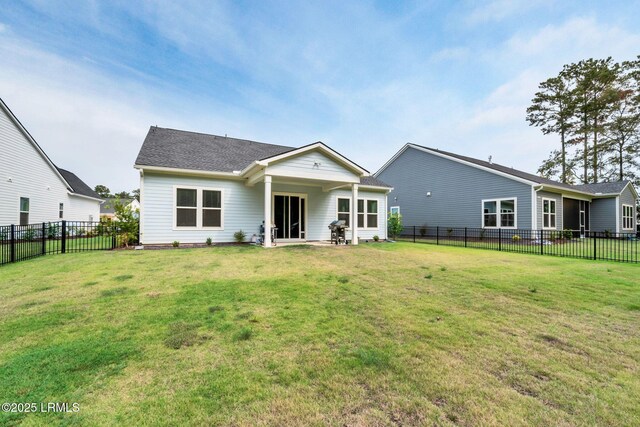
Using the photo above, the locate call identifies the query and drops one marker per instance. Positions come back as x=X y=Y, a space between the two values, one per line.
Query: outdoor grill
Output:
x=338 y=228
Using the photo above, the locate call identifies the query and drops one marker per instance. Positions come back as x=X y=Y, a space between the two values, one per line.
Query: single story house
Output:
x=437 y=188
x=32 y=188
x=195 y=186
x=108 y=211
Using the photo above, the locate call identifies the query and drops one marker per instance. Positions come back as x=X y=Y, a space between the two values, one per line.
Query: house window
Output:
x=499 y=213
x=61 y=211
x=198 y=208
x=186 y=207
x=394 y=210
x=211 y=208
x=24 y=210
x=367 y=218
x=344 y=210
x=627 y=217
x=548 y=213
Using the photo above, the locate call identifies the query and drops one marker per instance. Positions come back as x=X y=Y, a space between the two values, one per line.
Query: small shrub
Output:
x=516 y=238
x=244 y=334
x=394 y=225
x=567 y=234
x=175 y=244
x=53 y=231
x=209 y=241
x=239 y=236
x=376 y=238
x=30 y=234
x=482 y=233
x=181 y=334
x=449 y=232
x=607 y=234
x=423 y=230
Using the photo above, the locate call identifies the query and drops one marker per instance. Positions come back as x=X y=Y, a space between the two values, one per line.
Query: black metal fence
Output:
x=621 y=247
x=22 y=242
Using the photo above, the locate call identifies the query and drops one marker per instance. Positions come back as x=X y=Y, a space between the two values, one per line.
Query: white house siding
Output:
x=24 y=172
x=311 y=165
x=243 y=209
x=539 y=207
x=81 y=209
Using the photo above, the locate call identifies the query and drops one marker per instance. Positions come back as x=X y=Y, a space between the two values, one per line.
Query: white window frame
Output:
x=554 y=213
x=396 y=208
x=366 y=213
x=61 y=210
x=349 y=212
x=199 y=208
x=626 y=218
x=20 y=211
x=498 y=217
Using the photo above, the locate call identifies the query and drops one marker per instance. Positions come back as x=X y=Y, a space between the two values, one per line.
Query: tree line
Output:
x=104 y=192
x=594 y=108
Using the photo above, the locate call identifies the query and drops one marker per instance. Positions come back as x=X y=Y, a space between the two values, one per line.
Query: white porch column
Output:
x=354 y=215
x=267 y=211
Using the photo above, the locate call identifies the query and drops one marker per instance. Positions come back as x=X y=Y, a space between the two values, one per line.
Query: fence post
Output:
x=437 y=235
x=541 y=242
x=44 y=238
x=414 y=234
x=63 y=246
x=465 y=237
x=499 y=239
x=12 y=246
x=594 y=246
x=113 y=236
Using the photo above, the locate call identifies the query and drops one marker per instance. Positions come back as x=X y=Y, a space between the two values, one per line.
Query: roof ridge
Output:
x=221 y=136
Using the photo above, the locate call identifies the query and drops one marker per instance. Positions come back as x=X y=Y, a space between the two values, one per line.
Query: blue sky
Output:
x=89 y=78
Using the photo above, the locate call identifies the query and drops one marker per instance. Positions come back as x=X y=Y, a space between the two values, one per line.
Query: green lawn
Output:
x=380 y=334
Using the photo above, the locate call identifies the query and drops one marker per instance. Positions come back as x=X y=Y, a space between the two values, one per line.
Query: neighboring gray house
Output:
x=194 y=186
x=32 y=189
x=108 y=211
x=438 y=188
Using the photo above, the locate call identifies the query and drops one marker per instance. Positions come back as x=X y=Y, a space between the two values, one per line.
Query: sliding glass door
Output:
x=289 y=216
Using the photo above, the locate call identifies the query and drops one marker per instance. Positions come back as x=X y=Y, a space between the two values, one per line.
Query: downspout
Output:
x=534 y=206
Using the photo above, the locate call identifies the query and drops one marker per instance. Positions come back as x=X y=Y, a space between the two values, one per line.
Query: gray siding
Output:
x=559 y=211
x=243 y=209
x=603 y=214
x=627 y=198
x=456 y=191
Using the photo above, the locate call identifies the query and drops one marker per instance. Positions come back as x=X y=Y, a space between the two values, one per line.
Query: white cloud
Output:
x=499 y=10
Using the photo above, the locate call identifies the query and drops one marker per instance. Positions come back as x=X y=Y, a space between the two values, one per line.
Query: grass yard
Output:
x=380 y=334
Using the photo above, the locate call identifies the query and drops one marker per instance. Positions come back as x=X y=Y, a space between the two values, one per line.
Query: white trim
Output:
x=315 y=146
x=33 y=142
x=393 y=207
x=617 y=214
x=375 y=187
x=386 y=226
x=498 y=219
x=20 y=211
x=350 y=208
x=85 y=197
x=365 y=213
x=199 y=208
x=534 y=208
x=141 y=211
x=160 y=169
x=306 y=209
x=632 y=217
x=554 y=213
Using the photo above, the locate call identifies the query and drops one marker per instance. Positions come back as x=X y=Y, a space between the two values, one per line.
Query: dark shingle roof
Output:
x=615 y=187
x=609 y=187
x=181 y=149
x=77 y=185
x=108 y=206
x=373 y=181
x=191 y=150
